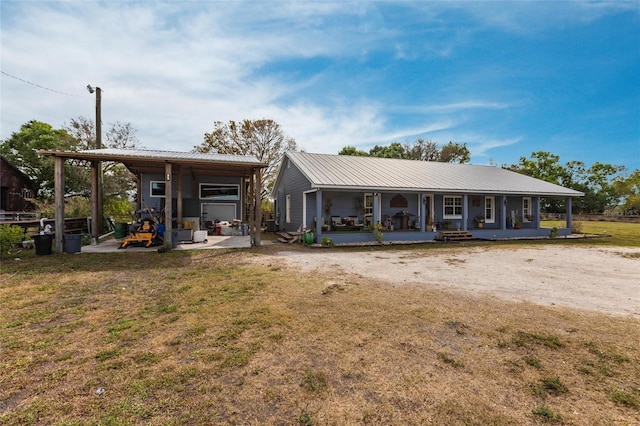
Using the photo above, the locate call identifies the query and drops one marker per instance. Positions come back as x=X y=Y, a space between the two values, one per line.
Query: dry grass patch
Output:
x=205 y=338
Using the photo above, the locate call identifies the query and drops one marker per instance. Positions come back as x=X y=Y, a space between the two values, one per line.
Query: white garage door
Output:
x=218 y=211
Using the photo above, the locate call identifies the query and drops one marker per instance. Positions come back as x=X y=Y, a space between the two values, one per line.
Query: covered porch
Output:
x=349 y=216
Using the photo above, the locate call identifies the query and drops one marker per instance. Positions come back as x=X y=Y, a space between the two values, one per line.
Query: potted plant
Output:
x=516 y=221
x=479 y=221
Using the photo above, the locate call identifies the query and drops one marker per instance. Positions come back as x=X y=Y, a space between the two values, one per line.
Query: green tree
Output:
x=394 y=150
x=421 y=150
x=628 y=188
x=118 y=180
x=20 y=150
x=541 y=165
x=544 y=166
x=263 y=139
x=596 y=182
x=454 y=152
x=352 y=150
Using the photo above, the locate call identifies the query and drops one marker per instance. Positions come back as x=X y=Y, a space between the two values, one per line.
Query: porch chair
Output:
x=356 y=222
x=336 y=222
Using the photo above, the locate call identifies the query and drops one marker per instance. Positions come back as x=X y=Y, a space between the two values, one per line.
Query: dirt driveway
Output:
x=592 y=278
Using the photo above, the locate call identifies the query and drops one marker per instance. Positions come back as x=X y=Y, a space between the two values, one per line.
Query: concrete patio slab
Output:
x=213 y=242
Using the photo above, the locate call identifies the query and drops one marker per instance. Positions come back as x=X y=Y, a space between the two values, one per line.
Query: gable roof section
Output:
x=343 y=172
x=17 y=171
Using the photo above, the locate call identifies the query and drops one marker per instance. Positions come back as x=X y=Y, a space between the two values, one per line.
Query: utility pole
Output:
x=97 y=212
x=99 y=218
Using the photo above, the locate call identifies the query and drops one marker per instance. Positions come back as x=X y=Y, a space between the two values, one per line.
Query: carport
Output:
x=172 y=166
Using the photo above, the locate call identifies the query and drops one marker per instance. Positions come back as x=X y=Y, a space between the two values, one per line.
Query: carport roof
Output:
x=141 y=161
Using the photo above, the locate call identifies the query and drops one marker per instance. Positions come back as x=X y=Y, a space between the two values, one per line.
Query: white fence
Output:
x=6 y=216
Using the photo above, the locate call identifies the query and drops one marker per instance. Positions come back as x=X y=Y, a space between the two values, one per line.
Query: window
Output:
x=212 y=191
x=452 y=206
x=489 y=209
x=526 y=210
x=157 y=188
x=287 y=209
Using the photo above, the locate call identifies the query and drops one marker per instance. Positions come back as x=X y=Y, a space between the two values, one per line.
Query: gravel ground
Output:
x=592 y=278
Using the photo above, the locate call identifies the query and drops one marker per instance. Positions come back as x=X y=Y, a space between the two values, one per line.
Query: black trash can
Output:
x=72 y=243
x=43 y=244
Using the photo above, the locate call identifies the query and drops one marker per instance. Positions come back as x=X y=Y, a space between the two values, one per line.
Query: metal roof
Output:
x=344 y=172
x=152 y=161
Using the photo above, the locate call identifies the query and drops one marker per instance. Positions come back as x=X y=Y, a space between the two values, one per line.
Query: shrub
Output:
x=377 y=232
x=10 y=236
x=326 y=241
x=576 y=227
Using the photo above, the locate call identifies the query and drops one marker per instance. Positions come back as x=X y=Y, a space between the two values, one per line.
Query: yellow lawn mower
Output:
x=147 y=232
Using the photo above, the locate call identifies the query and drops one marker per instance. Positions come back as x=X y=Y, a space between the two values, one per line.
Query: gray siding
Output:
x=191 y=201
x=293 y=183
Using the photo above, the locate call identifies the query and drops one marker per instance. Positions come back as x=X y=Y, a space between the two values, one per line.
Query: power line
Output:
x=39 y=86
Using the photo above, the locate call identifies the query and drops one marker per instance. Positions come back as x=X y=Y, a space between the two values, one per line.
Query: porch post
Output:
x=569 y=218
x=318 y=216
x=139 y=192
x=95 y=232
x=168 y=206
x=537 y=215
x=58 y=184
x=465 y=212
x=375 y=219
x=503 y=212
x=304 y=210
x=179 y=197
x=423 y=212
x=252 y=207
x=258 y=208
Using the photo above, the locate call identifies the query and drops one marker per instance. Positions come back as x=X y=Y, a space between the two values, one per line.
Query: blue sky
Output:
x=507 y=78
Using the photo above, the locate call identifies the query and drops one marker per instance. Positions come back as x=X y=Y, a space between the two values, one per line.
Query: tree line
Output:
x=607 y=187
x=422 y=150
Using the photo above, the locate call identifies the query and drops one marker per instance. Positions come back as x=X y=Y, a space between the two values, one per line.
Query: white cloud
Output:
x=529 y=17
x=172 y=69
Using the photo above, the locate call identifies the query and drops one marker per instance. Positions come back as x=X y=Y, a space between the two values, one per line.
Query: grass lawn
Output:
x=619 y=233
x=204 y=338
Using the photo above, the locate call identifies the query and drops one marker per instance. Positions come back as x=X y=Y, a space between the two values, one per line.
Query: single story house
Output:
x=341 y=197
x=202 y=187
